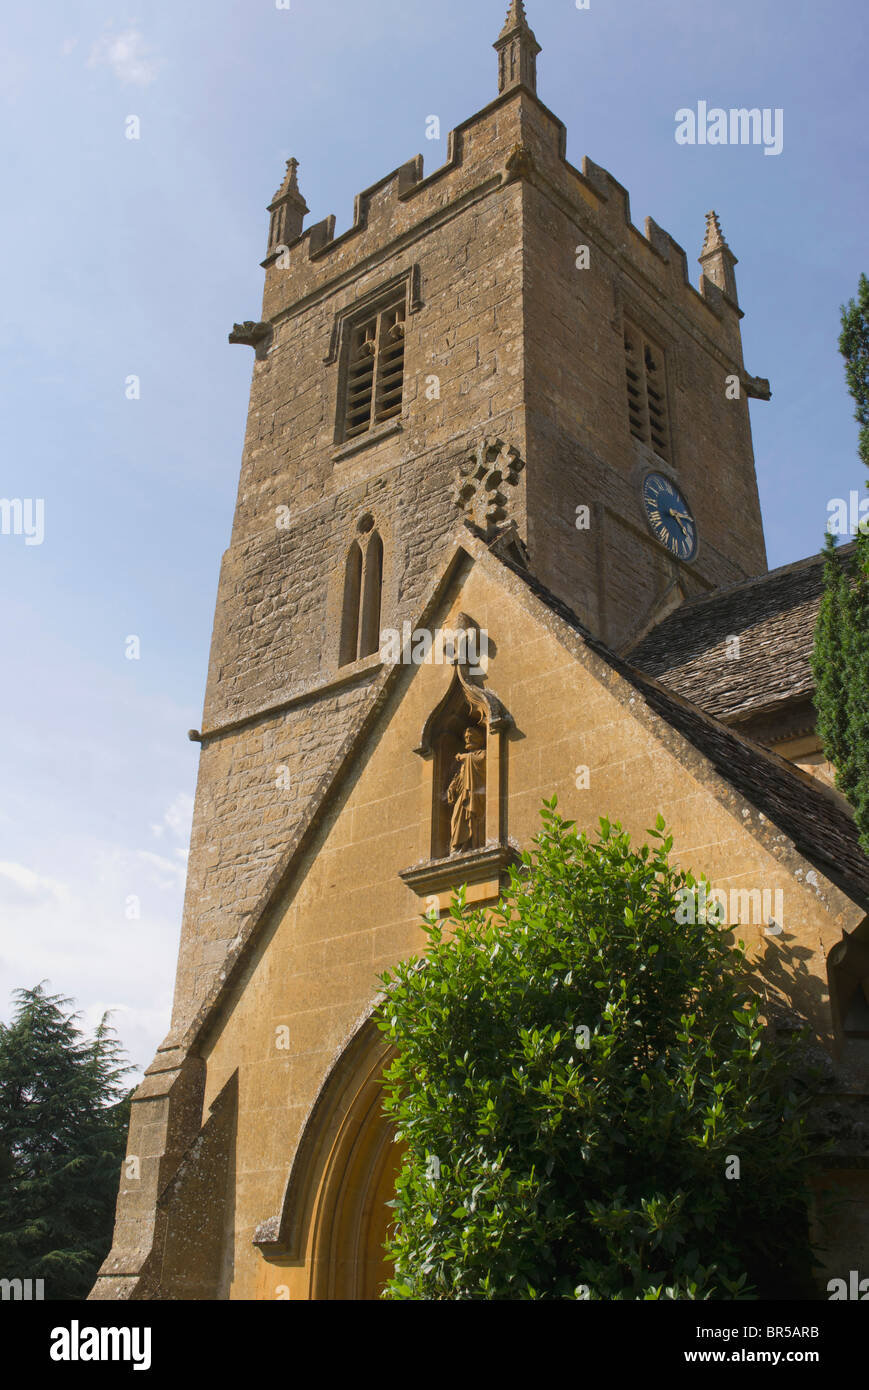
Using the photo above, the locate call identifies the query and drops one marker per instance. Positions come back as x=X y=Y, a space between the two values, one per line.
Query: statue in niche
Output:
x=466 y=793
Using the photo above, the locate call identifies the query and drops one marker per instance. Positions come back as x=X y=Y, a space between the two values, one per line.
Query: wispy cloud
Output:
x=169 y=871
x=177 y=818
x=130 y=58
x=18 y=883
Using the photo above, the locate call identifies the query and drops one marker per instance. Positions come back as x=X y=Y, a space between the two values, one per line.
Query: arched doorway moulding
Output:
x=333 y=1218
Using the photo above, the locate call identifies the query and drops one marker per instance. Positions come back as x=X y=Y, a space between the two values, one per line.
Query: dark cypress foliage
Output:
x=63 y=1122
x=841 y=656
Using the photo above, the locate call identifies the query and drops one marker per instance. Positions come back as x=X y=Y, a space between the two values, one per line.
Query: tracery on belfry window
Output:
x=646 y=377
x=363 y=596
x=374 y=385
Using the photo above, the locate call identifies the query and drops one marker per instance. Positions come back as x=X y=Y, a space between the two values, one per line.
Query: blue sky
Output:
x=134 y=258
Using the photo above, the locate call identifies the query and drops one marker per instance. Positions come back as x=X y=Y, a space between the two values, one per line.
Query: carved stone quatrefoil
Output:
x=487 y=479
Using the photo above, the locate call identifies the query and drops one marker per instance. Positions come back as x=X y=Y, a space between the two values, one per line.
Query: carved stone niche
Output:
x=464 y=793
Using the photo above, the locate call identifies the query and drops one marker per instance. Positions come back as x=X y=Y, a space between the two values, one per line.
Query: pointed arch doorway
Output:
x=335 y=1214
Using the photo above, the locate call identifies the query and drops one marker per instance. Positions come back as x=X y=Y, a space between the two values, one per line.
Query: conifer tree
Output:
x=854 y=347
x=829 y=661
x=841 y=656
x=63 y=1122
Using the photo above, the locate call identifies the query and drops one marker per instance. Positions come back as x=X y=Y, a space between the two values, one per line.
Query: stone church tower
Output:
x=492 y=407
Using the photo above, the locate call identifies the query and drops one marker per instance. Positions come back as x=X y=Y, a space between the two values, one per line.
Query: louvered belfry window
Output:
x=375 y=375
x=646 y=376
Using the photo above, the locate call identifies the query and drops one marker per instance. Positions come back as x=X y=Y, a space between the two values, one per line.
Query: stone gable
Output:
x=340 y=912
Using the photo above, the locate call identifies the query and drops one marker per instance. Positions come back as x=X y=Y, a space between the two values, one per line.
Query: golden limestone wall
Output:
x=346 y=915
x=576 y=306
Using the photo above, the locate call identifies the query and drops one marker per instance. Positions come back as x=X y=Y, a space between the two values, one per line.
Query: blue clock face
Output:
x=670 y=517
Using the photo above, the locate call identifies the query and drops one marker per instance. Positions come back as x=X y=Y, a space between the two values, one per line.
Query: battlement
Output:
x=648 y=251
x=402 y=204
x=516 y=138
x=320 y=237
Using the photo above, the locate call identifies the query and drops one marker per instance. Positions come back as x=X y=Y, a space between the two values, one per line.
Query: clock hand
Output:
x=678 y=515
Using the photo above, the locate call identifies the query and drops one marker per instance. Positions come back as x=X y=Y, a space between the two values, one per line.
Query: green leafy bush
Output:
x=576 y=1074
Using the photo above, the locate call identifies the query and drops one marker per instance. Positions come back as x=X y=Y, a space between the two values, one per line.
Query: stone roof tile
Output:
x=773 y=616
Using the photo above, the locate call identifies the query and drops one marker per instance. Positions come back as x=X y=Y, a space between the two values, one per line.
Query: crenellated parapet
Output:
x=512 y=140
x=515 y=140
x=399 y=206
